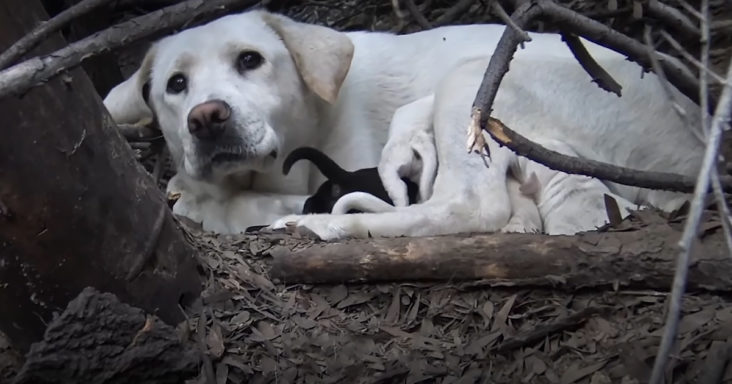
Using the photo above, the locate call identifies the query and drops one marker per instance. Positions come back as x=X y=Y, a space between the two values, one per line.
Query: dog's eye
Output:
x=248 y=60
x=177 y=84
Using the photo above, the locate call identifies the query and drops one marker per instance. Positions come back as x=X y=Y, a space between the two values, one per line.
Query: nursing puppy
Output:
x=341 y=182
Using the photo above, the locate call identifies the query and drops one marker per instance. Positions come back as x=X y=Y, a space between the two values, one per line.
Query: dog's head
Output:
x=227 y=94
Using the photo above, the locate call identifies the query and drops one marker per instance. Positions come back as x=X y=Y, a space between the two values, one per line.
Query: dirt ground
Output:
x=263 y=331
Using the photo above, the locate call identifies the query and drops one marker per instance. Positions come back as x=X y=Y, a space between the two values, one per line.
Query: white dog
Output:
x=546 y=97
x=234 y=96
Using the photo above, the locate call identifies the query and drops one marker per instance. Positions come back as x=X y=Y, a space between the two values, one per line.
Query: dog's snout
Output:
x=208 y=120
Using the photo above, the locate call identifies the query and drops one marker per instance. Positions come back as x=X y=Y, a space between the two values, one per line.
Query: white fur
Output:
x=300 y=98
x=548 y=98
x=277 y=110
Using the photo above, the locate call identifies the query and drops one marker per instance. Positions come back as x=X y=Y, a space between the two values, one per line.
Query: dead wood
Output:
x=605 y=171
x=19 y=78
x=562 y=324
x=78 y=209
x=574 y=23
x=45 y=29
x=598 y=74
x=98 y=339
x=643 y=258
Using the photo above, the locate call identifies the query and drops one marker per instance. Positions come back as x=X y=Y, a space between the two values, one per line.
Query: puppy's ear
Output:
x=322 y=55
x=127 y=102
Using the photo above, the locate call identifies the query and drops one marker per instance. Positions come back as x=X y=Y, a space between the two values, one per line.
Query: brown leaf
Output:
x=392 y=315
x=613 y=211
x=337 y=294
x=222 y=373
x=502 y=315
x=575 y=373
x=215 y=341
x=696 y=320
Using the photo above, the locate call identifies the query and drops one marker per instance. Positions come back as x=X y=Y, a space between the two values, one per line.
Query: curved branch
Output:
x=605 y=171
x=29 y=41
x=33 y=72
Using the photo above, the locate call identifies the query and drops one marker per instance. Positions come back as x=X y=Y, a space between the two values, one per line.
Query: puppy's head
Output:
x=229 y=93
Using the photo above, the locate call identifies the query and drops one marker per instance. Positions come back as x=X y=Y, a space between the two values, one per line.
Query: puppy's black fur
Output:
x=341 y=182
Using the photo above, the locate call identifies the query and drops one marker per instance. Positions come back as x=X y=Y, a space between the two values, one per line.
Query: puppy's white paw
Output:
x=324 y=227
x=521 y=225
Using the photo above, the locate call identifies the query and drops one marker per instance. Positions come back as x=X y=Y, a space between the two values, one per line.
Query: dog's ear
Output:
x=127 y=102
x=322 y=55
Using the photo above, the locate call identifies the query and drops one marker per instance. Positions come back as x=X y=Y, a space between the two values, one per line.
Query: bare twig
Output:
x=672 y=17
x=38 y=34
x=633 y=50
x=23 y=76
x=418 y=16
x=563 y=324
x=208 y=369
x=501 y=13
x=498 y=64
x=160 y=161
x=497 y=68
x=655 y=64
x=454 y=11
x=704 y=98
x=700 y=66
x=598 y=74
x=691 y=228
x=572 y=165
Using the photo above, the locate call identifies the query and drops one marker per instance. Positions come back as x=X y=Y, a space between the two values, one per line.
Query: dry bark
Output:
x=639 y=258
x=97 y=339
x=76 y=209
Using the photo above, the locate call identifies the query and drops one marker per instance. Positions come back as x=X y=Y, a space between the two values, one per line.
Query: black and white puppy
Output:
x=341 y=182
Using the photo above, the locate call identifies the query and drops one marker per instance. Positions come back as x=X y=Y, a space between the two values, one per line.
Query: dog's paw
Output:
x=517 y=225
x=324 y=227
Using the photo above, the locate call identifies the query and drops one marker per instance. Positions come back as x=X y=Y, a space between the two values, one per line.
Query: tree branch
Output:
x=29 y=41
x=721 y=117
x=418 y=16
x=598 y=74
x=23 y=76
x=598 y=33
x=573 y=165
x=498 y=67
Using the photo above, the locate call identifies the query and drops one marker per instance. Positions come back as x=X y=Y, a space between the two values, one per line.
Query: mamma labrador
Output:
x=232 y=97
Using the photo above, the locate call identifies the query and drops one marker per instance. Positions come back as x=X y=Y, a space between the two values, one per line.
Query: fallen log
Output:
x=76 y=209
x=644 y=257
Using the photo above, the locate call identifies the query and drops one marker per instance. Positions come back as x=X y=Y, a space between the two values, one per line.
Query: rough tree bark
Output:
x=97 y=339
x=642 y=257
x=76 y=209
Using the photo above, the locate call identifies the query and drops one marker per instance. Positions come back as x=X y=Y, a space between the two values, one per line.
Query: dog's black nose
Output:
x=208 y=120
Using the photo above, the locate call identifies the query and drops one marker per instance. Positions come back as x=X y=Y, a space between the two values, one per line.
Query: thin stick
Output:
x=573 y=165
x=418 y=16
x=21 y=77
x=680 y=49
x=633 y=50
x=455 y=11
x=501 y=13
x=665 y=86
x=721 y=117
x=42 y=31
x=598 y=74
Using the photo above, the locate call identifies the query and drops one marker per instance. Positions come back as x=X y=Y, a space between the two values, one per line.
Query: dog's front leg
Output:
x=229 y=212
x=410 y=152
